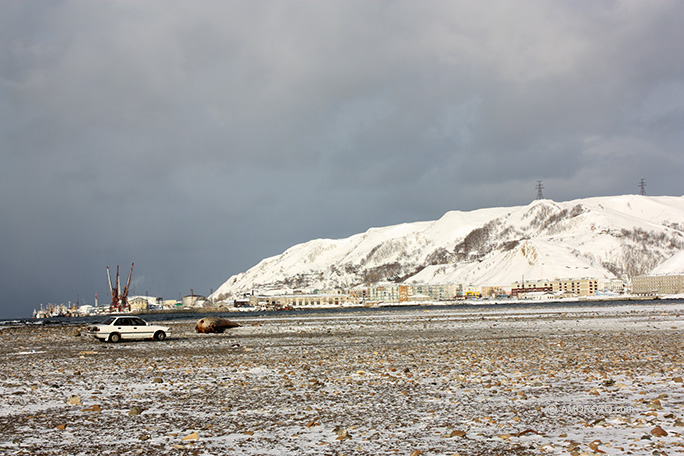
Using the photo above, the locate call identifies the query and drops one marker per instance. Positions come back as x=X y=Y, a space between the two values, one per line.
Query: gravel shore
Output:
x=524 y=381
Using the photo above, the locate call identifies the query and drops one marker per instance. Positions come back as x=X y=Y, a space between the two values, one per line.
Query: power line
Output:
x=540 y=187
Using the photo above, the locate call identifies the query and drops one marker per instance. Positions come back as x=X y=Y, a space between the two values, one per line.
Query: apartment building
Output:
x=658 y=284
x=581 y=287
x=531 y=286
x=408 y=292
x=305 y=300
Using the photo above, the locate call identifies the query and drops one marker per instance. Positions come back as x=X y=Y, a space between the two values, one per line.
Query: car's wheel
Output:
x=159 y=335
x=114 y=337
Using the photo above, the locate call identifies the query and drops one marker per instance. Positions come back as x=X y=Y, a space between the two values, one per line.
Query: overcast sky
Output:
x=197 y=138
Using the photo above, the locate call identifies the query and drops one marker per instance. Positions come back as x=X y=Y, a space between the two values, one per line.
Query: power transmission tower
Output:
x=642 y=186
x=540 y=187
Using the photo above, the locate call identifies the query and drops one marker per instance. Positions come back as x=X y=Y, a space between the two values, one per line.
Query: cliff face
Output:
x=603 y=237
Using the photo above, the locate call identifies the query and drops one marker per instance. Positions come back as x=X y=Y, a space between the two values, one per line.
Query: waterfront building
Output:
x=658 y=284
x=585 y=286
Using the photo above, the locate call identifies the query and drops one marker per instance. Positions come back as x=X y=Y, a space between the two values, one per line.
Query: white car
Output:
x=114 y=329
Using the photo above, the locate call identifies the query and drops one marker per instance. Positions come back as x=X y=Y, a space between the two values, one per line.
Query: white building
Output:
x=194 y=300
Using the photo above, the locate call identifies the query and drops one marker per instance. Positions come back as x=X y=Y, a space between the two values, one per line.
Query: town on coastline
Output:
x=390 y=294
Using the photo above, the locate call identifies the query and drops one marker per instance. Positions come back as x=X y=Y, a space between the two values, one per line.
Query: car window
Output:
x=125 y=321
x=138 y=322
x=108 y=321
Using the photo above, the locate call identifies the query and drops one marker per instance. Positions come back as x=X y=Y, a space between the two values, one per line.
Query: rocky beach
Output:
x=527 y=380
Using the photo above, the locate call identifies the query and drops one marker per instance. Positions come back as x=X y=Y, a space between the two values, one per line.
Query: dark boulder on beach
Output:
x=214 y=325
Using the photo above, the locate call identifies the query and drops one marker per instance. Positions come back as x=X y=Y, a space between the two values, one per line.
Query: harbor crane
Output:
x=119 y=297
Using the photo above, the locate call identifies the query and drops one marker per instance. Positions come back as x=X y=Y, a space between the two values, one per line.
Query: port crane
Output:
x=119 y=297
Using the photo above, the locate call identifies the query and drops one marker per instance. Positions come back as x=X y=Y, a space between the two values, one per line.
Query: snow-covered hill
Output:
x=673 y=266
x=603 y=237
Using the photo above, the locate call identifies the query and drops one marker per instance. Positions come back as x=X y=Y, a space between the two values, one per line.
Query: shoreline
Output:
x=239 y=314
x=456 y=303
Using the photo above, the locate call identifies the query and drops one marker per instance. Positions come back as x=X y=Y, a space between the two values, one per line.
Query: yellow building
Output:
x=580 y=287
x=404 y=292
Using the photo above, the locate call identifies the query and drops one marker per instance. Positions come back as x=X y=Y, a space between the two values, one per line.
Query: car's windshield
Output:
x=108 y=321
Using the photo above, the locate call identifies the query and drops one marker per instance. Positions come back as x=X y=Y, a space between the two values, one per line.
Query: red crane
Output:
x=119 y=298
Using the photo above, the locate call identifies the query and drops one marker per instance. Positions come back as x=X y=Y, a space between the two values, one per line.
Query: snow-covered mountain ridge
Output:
x=602 y=237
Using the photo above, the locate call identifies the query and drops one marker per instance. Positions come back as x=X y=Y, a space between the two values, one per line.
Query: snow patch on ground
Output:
x=536 y=379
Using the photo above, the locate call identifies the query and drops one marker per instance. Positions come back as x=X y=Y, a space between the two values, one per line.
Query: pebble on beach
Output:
x=577 y=380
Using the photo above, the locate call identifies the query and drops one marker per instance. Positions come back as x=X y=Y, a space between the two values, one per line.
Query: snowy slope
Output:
x=603 y=237
x=533 y=260
x=674 y=265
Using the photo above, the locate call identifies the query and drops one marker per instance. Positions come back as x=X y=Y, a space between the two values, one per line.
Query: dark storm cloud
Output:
x=195 y=139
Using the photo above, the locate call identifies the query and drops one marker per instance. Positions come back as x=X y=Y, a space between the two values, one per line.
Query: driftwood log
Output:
x=214 y=325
